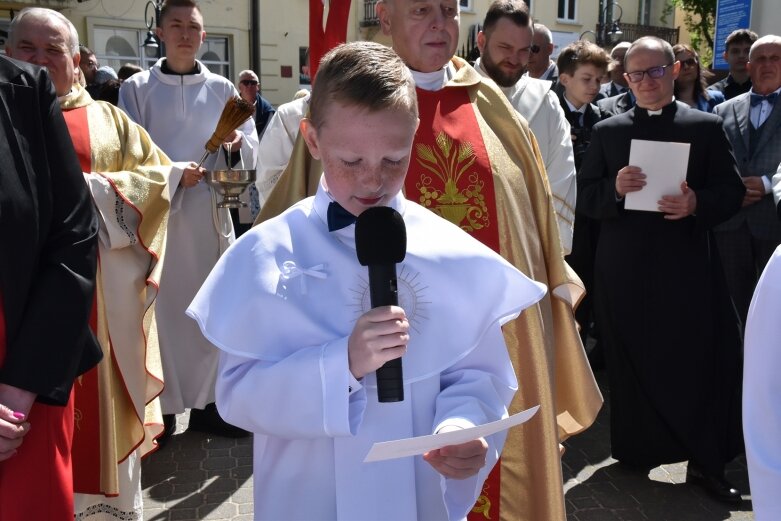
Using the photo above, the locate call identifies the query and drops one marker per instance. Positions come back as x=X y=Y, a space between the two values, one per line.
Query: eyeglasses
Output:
x=691 y=62
x=247 y=83
x=653 y=72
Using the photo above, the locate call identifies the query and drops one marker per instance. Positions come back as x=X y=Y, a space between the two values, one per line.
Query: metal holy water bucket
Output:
x=229 y=183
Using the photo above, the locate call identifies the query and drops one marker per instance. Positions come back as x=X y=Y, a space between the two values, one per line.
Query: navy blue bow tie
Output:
x=756 y=99
x=338 y=217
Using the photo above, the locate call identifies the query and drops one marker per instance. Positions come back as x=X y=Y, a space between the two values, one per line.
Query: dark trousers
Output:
x=743 y=257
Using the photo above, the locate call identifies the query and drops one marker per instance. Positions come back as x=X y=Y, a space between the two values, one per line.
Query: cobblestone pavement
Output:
x=200 y=477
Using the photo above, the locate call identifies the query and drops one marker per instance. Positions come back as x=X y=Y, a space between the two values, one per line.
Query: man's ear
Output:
x=382 y=10
x=309 y=133
x=481 y=41
x=564 y=78
x=676 y=69
x=76 y=59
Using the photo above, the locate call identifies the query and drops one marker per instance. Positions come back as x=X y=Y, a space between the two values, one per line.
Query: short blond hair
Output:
x=366 y=74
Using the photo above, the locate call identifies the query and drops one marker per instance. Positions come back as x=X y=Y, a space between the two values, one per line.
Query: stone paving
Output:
x=200 y=477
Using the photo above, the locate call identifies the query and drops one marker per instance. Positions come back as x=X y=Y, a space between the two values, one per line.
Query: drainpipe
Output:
x=254 y=36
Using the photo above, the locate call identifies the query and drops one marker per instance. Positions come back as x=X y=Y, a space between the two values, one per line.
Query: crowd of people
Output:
x=130 y=297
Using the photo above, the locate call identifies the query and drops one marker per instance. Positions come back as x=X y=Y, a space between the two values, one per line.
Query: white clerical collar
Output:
x=433 y=81
x=657 y=112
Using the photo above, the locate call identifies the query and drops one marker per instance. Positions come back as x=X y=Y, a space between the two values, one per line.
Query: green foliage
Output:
x=699 y=18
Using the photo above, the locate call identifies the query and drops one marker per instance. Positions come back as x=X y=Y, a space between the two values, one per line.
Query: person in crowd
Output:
x=511 y=213
x=47 y=282
x=753 y=124
x=249 y=88
x=88 y=65
x=625 y=100
x=505 y=44
x=127 y=70
x=454 y=377
x=762 y=394
x=540 y=65
x=736 y=46
x=98 y=90
x=662 y=305
x=132 y=183
x=691 y=83
x=581 y=65
x=617 y=84
x=198 y=232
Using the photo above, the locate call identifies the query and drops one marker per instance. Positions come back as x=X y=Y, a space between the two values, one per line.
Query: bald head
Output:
x=764 y=64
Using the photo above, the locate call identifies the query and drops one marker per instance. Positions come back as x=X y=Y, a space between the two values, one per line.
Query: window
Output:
x=115 y=47
x=466 y=5
x=567 y=10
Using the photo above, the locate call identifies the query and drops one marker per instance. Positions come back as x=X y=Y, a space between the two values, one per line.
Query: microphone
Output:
x=381 y=243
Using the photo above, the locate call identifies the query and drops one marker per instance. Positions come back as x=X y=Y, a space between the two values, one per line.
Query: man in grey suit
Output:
x=753 y=124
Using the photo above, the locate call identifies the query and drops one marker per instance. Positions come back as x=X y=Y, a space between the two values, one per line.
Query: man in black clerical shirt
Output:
x=668 y=329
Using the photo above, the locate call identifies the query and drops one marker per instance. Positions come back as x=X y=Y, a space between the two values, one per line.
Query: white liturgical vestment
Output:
x=281 y=304
x=762 y=393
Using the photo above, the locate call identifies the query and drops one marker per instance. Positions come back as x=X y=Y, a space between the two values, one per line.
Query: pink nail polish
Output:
x=19 y=415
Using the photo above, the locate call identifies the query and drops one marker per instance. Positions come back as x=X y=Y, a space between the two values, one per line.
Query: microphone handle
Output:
x=383 y=291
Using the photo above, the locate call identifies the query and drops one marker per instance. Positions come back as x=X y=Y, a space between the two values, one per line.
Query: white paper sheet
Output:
x=413 y=446
x=664 y=165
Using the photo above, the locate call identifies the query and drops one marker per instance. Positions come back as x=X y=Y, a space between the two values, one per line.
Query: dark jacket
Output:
x=48 y=238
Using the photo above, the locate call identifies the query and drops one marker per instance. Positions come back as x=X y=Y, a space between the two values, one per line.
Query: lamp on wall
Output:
x=151 y=43
x=607 y=35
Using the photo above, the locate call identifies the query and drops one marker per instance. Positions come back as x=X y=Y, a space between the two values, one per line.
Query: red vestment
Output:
x=37 y=482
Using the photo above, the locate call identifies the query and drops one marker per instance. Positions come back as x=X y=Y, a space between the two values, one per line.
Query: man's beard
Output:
x=503 y=79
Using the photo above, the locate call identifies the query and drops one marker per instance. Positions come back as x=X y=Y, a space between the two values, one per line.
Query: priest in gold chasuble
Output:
x=132 y=182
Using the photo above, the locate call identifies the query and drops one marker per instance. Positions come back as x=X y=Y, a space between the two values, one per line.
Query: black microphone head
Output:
x=380 y=236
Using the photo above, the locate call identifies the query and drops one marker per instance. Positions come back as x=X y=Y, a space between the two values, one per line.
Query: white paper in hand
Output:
x=664 y=165
x=413 y=446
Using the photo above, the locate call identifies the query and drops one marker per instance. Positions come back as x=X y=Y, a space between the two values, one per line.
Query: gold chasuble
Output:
x=116 y=407
x=476 y=163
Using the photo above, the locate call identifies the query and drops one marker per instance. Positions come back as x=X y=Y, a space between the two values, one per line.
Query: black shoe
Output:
x=715 y=485
x=169 y=427
x=208 y=420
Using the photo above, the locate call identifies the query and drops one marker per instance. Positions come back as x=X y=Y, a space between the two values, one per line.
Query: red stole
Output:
x=321 y=41
x=86 y=441
x=451 y=175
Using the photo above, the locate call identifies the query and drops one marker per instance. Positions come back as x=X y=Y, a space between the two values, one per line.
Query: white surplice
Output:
x=181 y=112
x=539 y=105
x=762 y=393
x=281 y=305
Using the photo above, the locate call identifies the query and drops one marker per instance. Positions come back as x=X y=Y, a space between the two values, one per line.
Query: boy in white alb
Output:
x=288 y=304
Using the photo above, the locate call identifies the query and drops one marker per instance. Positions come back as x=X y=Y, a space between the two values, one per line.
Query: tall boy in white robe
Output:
x=288 y=304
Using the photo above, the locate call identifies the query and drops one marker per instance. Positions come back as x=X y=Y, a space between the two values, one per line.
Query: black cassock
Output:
x=670 y=332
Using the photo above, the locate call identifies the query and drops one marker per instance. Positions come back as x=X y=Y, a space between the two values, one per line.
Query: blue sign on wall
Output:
x=730 y=15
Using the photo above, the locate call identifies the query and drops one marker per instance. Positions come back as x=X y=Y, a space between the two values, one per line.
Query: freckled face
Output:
x=365 y=154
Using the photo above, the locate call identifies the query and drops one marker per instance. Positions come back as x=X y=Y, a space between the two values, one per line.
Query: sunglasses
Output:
x=247 y=83
x=653 y=72
x=534 y=49
x=691 y=62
